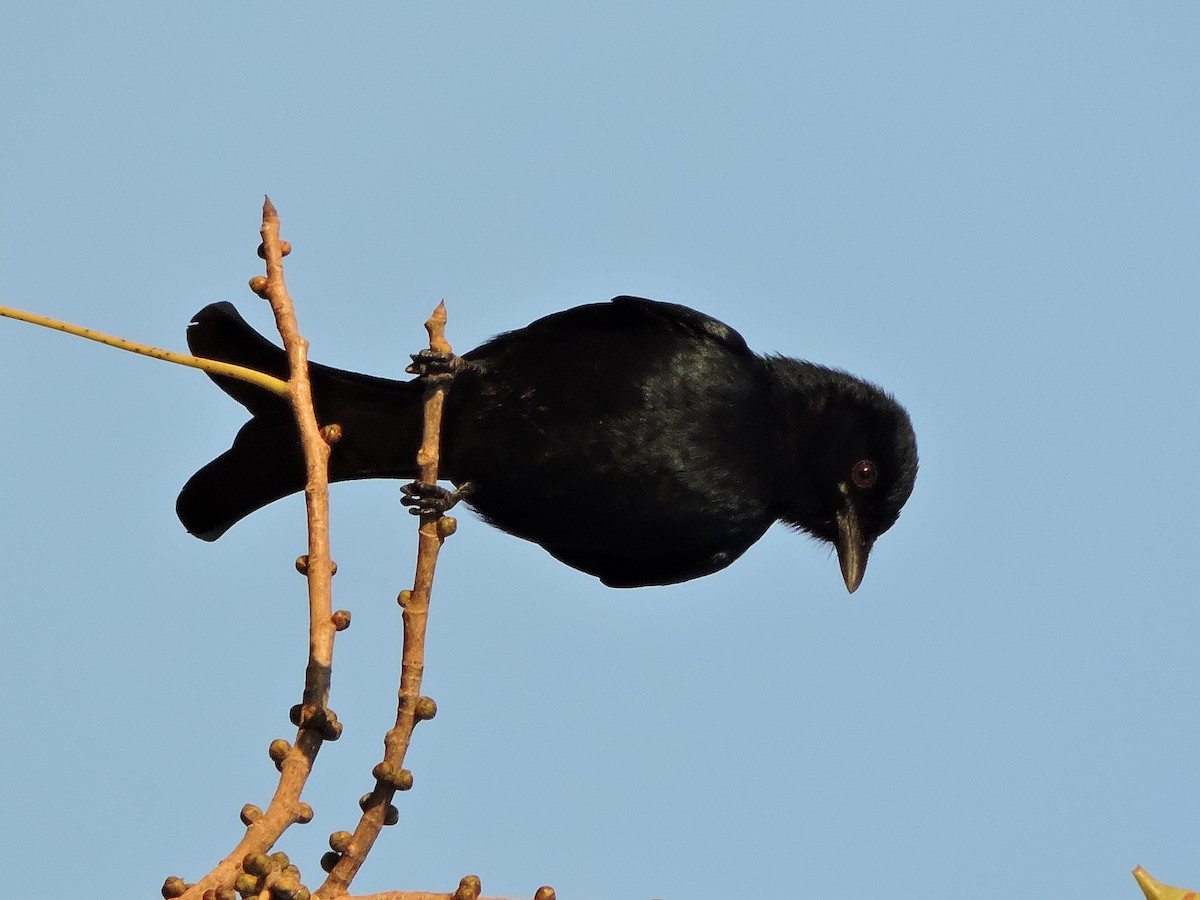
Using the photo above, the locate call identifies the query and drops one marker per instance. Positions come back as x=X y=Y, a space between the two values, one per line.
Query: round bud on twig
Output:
x=280 y=859
x=340 y=619
x=302 y=565
x=224 y=892
x=246 y=884
x=393 y=776
x=469 y=888
x=250 y=814
x=258 y=284
x=329 y=860
x=404 y=597
x=384 y=773
x=257 y=864
x=545 y=892
x=339 y=841
x=173 y=887
x=331 y=434
x=304 y=813
x=391 y=815
x=284 y=249
x=331 y=728
x=278 y=751
x=322 y=720
x=425 y=709
x=447 y=525
x=288 y=888
x=364 y=801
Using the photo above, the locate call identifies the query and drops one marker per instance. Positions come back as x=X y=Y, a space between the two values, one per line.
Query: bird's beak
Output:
x=852 y=547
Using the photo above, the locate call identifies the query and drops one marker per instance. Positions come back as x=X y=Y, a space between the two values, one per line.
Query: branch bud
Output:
x=393 y=776
x=331 y=728
x=425 y=709
x=246 y=884
x=258 y=284
x=302 y=565
x=469 y=888
x=284 y=249
x=257 y=864
x=250 y=814
x=278 y=751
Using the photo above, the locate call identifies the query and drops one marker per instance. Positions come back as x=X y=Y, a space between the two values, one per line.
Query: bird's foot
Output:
x=434 y=364
x=423 y=498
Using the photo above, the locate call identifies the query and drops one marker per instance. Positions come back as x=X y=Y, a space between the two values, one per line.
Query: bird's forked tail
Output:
x=380 y=422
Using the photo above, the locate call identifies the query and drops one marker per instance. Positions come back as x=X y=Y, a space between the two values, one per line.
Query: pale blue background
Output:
x=989 y=208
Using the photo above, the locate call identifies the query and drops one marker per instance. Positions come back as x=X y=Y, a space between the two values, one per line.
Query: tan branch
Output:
x=316 y=462
x=390 y=774
x=316 y=723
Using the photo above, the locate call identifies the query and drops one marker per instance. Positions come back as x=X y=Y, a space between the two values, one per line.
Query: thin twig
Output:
x=316 y=463
x=212 y=366
x=390 y=775
x=316 y=723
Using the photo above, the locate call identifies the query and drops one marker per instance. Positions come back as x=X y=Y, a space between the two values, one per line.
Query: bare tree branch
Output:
x=315 y=722
x=390 y=774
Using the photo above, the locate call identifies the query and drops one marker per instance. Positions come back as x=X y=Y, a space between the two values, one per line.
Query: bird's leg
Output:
x=423 y=498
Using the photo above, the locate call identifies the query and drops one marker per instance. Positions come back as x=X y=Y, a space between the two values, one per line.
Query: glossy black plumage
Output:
x=642 y=442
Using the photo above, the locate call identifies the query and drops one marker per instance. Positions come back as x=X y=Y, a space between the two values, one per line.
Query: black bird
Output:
x=638 y=441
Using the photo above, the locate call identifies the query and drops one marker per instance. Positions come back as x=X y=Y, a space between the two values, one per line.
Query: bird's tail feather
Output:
x=380 y=421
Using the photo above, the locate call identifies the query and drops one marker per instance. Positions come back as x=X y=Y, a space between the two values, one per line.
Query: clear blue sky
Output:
x=991 y=209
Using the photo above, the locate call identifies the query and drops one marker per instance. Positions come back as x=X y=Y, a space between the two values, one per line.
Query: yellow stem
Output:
x=212 y=366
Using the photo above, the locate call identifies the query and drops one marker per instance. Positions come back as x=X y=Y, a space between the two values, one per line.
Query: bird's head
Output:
x=854 y=462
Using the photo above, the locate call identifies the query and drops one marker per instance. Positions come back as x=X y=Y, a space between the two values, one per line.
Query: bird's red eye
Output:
x=864 y=474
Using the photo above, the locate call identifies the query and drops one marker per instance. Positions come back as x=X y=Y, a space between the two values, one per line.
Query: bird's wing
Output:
x=596 y=331
x=687 y=318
